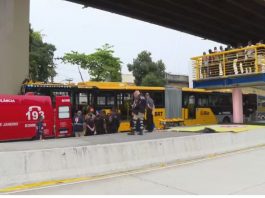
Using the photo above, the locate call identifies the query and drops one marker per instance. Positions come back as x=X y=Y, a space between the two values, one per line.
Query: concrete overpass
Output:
x=227 y=21
x=14 y=44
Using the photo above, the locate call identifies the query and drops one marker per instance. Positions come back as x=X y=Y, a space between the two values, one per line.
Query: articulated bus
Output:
x=187 y=106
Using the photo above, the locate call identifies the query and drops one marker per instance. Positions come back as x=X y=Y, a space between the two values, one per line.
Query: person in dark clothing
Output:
x=100 y=123
x=89 y=117
x=108 y=123
x=116 y=120
x=90 y=125
x=78 y=124
x=138 y=111
x=40 y=128
x=113 y=121
x=149 y=113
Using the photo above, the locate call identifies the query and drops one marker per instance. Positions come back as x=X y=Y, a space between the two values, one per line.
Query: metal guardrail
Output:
x=243 y=61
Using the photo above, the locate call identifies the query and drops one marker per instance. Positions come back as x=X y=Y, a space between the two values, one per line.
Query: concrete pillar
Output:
x=237 y=106
x=14 y=44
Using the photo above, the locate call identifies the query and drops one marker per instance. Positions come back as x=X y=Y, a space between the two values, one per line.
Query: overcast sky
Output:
x=70 y=27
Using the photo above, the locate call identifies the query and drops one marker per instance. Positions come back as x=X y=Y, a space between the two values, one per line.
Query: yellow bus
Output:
x=172 y=105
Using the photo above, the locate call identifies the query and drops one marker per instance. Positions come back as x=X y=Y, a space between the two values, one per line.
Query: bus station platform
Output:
x=27 y=162
x=87 y=141
x=233 y=128
x=180 y=131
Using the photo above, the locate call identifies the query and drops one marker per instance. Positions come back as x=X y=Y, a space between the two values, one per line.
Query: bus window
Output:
x=101 y=100
x=60 y=93
x=119 y=99
x=224 y=100
x=83 y=99
x=185 y=100
x=64 y=112
x=110 y=100
x=203 y=101
x=220 y=103
x=158 y=98
x=106 y=99
x=192 y=100
x=128 y=96
x=213 y=100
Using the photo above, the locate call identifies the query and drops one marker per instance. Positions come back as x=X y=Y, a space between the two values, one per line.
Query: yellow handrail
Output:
x=256 y=61
x=231 y=51
x=230 y=63
x=224 y=65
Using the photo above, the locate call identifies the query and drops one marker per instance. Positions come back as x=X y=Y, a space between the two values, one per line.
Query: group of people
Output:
x=96 y=124
x=238 y=62
x=103 y=123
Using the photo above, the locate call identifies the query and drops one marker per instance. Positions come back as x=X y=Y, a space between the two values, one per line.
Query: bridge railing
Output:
x=243 y=61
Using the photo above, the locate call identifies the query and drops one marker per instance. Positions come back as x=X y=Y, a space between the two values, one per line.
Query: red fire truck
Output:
x=20 y=113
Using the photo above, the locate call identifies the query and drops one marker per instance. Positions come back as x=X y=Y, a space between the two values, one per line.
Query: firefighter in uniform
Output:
x=138 y=112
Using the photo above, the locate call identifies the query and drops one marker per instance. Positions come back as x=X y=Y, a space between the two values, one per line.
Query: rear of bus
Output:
x=19 y=115
x=62 y=117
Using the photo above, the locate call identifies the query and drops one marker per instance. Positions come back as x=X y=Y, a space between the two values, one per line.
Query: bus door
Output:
x=188 y=106
x=191 y=107
x=124 y=102
x=260 y=114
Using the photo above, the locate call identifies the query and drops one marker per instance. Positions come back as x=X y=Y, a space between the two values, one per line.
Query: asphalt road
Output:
x=237 y=173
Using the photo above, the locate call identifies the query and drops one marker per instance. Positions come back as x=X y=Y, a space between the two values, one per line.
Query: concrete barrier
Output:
x=40 y=165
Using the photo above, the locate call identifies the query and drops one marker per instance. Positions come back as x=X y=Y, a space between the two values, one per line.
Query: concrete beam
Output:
x=14 y=44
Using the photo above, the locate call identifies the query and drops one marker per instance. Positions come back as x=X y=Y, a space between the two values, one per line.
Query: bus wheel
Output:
x=226 y=120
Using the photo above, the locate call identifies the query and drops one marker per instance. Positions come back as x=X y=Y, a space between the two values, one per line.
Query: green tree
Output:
x=147 y=72
x=152 y=80
x=41 y=58
x=101 y=65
